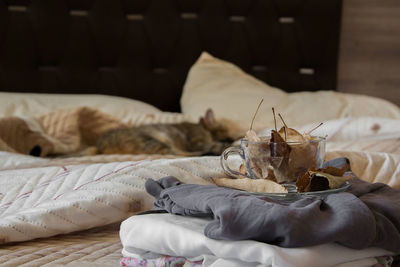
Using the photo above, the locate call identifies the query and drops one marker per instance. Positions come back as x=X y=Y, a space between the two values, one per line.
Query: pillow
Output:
x=233 y=94
x=27 y=104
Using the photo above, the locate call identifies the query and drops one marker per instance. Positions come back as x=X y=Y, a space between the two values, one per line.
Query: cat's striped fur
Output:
x=208 y=137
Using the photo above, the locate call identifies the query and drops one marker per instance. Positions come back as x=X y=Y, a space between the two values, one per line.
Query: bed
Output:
x=70 y=70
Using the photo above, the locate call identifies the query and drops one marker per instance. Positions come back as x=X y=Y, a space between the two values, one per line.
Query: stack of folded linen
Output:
x=231 y=228
x=151 y=236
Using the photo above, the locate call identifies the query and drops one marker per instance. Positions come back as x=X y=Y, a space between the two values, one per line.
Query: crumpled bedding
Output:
x=43 y=197
x=36 y=193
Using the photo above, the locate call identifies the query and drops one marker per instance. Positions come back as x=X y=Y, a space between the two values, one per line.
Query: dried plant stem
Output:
x=273 y=112
x=313 y=129
x=252 y=121
x=284 y=127
x=282 y=120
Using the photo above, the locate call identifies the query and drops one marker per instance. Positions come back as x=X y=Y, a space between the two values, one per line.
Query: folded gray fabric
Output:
x=367 y=215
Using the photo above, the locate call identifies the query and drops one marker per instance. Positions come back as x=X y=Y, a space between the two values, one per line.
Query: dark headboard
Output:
x=143 y=49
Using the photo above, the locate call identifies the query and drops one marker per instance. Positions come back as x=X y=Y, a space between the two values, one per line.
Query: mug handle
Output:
x=224 y=161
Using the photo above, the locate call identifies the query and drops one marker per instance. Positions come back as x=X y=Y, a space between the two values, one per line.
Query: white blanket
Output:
x=41 y=202
x=42 y=197
x=153 y=235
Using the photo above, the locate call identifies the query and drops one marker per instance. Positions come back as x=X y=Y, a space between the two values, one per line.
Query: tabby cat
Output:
x=207 y=137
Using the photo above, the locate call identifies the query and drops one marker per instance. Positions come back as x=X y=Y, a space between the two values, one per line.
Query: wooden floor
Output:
x=369 y=60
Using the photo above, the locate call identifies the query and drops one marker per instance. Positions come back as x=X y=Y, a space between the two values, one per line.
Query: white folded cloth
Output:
x=153 y=235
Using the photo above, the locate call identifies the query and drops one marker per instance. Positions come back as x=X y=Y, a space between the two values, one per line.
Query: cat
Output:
x=207 y=137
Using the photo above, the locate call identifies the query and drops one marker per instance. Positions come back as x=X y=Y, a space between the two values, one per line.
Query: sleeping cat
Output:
x=207 y=137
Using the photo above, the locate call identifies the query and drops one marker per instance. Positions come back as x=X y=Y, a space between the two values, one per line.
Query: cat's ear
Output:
x=208 y=120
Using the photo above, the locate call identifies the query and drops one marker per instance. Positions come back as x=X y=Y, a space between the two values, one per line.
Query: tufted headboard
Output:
x=143 y=49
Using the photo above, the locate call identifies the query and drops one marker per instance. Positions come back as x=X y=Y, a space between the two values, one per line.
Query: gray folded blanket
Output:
x=367 y=215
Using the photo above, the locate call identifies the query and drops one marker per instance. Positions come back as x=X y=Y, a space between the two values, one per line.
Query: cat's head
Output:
x=222 y=130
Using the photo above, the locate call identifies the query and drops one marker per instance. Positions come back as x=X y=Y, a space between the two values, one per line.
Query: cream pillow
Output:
x=233 y=94
x=28 y=104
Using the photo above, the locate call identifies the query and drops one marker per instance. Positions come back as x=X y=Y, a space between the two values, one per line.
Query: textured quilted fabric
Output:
x=93 y=248
x=43 y=202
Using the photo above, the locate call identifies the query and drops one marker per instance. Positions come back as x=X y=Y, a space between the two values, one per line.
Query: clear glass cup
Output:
x=283 y=162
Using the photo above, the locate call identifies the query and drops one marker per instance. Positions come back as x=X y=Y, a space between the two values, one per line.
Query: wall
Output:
x=369 y=61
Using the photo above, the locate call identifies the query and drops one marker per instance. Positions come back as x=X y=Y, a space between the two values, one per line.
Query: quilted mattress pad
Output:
x=46 y=201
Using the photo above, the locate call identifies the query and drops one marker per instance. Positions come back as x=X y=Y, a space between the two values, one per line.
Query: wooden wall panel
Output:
x=369 y=61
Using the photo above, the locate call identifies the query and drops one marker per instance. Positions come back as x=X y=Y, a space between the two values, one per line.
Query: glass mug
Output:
x=283 y=162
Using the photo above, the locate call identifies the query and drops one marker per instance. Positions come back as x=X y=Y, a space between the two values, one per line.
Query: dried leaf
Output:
x=278 y=146
x=243 y=171
x=322 y=179
x=271 y=175
x=334 y=181
x=291 y=135
x=280 y=149
x=251 y=185
x=276 y=137
x=251 y=136
x=255 y=167
x=302 y=157
x=318 y=183
x=334 y=171
x=309 y=137
x=303 y=182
